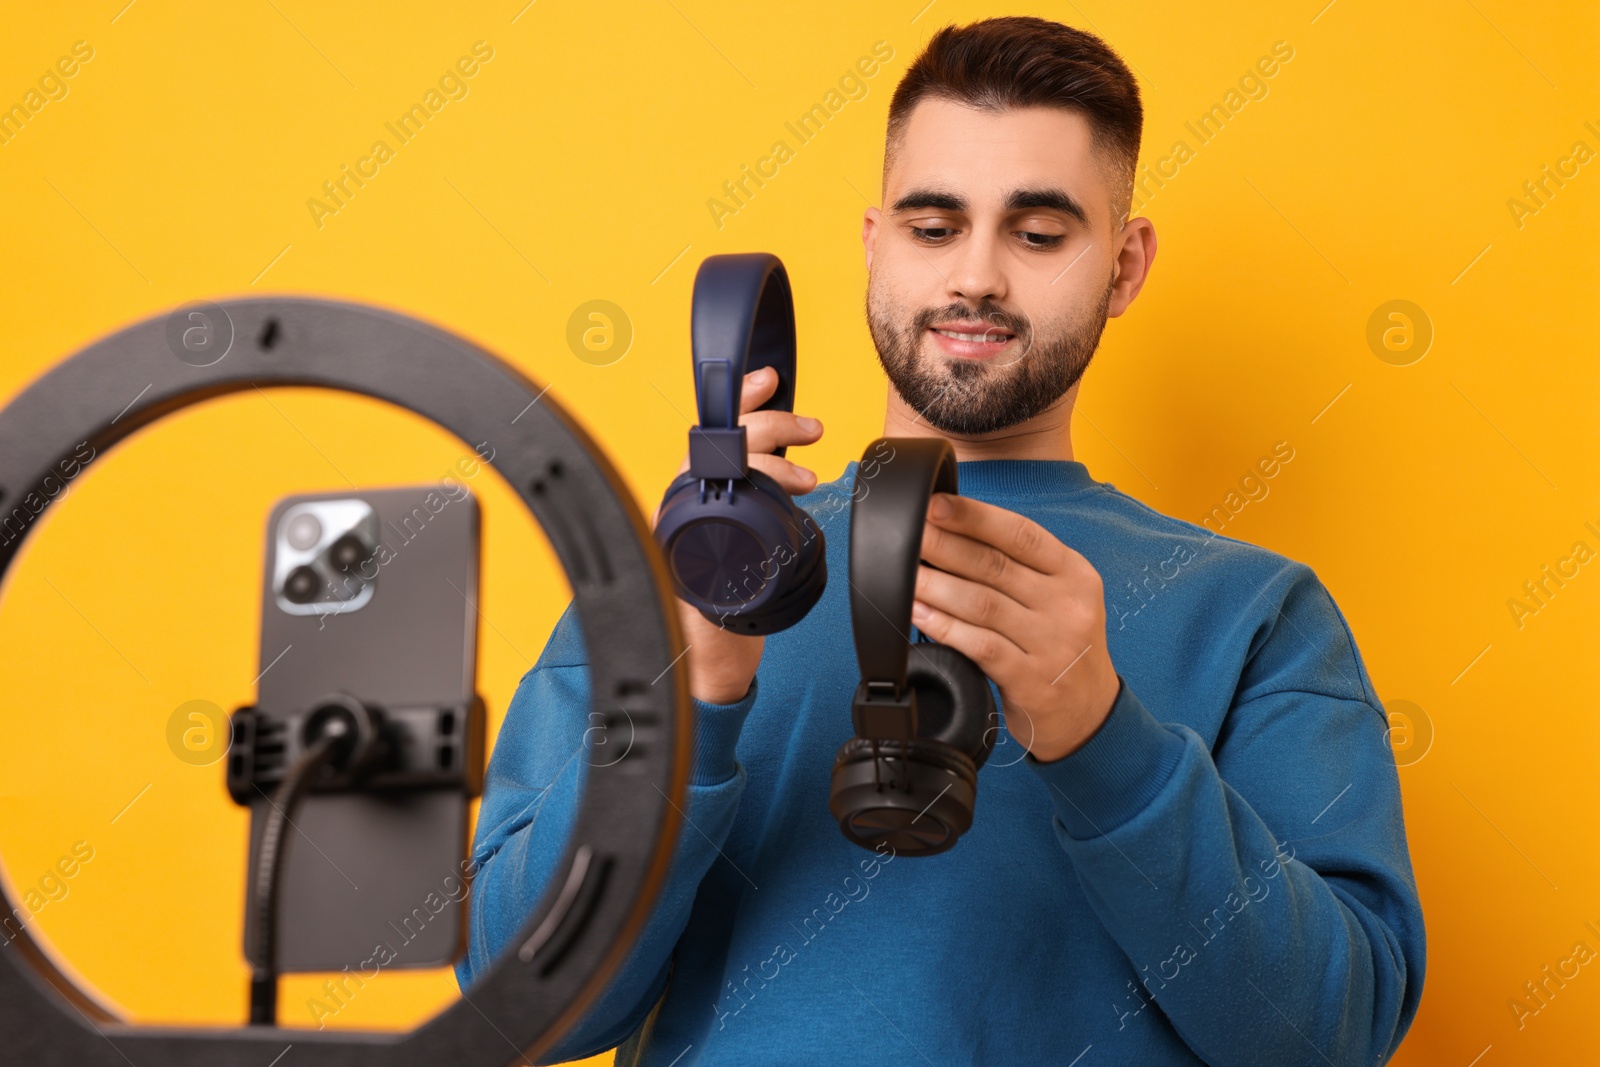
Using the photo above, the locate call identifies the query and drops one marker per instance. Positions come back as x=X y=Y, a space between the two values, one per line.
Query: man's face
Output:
x=991 y=266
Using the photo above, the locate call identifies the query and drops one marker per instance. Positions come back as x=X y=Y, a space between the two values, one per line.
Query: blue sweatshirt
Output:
x=1219 y=875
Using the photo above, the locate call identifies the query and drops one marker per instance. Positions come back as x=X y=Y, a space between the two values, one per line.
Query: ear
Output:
x=869 y=232
x=1136 y=252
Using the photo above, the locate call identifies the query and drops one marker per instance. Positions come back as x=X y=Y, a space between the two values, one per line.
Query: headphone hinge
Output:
x=718 y=454
x=878 y=713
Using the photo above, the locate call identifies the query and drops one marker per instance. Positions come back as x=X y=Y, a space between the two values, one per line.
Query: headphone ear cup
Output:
x=954 y=703
x=753 y=561
x=801 y=572
x=915 y=796
x=807 y=535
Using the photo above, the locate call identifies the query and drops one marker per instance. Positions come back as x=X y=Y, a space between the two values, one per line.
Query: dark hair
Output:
x=1020 y=61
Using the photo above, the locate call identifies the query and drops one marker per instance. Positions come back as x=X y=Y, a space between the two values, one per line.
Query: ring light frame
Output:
x=616 y=860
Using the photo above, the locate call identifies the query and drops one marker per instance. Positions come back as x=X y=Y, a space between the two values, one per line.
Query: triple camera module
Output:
x=325 y=557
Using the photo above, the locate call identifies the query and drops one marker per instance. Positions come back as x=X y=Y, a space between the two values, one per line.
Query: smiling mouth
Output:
x=981 y=337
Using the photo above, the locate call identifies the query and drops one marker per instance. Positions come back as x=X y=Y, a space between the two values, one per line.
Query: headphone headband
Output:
x=743 y=320
x=886 y=521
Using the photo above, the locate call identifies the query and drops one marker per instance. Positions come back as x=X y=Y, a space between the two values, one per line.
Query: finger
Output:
x=757 y=389
x=767 y=431
x=794 y=478
x=981 y=606
x=985 y=564
x=995 y=654
x=1017 y=536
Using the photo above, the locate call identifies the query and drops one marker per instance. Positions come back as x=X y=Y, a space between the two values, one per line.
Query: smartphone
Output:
x=371 y=595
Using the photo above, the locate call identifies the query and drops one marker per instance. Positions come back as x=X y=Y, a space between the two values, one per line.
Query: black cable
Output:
x=269 y=874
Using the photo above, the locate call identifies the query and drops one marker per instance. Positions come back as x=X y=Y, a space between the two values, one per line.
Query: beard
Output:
x=972 y=397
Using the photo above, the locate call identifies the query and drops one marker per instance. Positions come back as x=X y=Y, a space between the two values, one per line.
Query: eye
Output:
x=931 y=234
x=1041 y=240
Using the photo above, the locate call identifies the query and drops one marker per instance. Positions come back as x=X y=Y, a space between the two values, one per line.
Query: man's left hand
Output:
x=1028 y=610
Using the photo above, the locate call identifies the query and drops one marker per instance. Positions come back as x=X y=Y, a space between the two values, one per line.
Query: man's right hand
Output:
x=722 y=664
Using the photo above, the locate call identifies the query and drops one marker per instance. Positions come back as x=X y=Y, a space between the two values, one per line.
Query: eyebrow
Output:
x=928 y=198
x=1054 y=199
x=1017 y=200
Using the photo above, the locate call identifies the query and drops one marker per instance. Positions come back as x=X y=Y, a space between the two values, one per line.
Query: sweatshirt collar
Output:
x=1011 y=478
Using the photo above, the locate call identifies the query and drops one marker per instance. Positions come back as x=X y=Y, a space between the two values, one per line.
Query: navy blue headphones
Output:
x=738 y=547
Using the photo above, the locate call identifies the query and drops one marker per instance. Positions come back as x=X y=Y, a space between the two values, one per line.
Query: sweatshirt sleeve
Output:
x=530 y=803
x=1261 y=889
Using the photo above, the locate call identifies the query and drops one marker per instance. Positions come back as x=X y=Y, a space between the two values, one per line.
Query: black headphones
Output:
x=922 y=713
x=739 y=548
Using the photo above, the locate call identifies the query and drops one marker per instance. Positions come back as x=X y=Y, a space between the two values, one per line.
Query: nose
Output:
x=976 y=273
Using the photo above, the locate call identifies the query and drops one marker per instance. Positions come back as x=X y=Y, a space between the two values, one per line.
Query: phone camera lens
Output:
x=302 y=585
x=346 y=552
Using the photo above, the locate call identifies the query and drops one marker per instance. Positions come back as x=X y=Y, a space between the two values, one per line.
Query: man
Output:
x=1188 y=847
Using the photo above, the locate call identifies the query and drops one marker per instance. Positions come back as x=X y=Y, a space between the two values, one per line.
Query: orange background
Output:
x=1380 y=164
